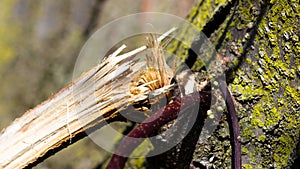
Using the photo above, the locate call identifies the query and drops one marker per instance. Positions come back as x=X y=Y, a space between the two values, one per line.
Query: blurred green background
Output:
x=39 y=43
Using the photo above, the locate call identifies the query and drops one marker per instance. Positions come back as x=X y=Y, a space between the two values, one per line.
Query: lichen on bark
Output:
x=261 y=41
x=263 y=38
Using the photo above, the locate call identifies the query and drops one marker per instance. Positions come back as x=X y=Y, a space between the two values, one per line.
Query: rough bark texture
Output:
x=262 y=40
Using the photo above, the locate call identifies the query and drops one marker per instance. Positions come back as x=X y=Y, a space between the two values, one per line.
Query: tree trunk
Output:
x=261 y=41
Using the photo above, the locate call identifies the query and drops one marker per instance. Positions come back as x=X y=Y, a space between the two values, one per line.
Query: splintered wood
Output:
x=94 y=97
x=157 y=74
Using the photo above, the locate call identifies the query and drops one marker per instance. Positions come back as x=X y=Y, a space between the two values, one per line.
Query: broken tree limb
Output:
x=96 y=96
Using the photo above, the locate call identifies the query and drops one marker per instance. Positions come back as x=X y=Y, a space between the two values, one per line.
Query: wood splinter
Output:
x=96 y=96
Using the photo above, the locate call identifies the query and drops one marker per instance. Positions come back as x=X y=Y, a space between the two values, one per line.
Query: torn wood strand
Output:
x=72 y=110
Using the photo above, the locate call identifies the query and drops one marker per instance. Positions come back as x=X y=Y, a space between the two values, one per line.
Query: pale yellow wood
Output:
x=70 y=111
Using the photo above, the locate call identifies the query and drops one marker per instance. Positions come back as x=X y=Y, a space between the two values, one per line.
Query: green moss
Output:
x=266 y=84
x=247 y=133
x=261 y=138
x=283 y=149
x=259 y=166
x=198 y=16
x=272 y=117
x=247 y=92
x=276 y=158
x=244 y=150
x=257 y=122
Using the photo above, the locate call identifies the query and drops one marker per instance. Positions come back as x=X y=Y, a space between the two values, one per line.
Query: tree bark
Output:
x=261 y=41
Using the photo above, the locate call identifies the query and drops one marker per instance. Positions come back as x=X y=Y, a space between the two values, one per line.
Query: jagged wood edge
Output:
x=86 y=103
